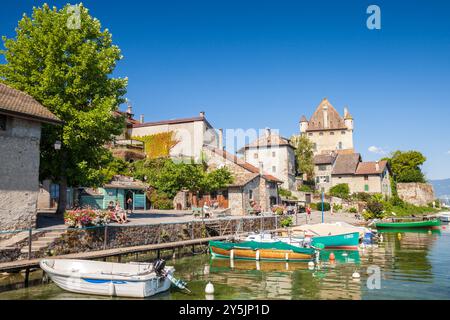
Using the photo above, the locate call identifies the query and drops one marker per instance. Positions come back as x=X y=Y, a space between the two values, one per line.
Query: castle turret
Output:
x=348 y=119
x=303 y=124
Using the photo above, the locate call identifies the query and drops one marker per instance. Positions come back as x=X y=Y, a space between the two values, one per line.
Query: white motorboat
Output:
x=135 y=280
x=444 y=216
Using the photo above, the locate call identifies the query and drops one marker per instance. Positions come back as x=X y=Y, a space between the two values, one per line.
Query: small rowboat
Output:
x=135 y=280
x=409 y=224
x=340 y=241
x=251 y=250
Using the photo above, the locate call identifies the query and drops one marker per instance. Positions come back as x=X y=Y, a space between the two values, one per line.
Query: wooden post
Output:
x=105 y=237
x=27 y=277
x=29 y=244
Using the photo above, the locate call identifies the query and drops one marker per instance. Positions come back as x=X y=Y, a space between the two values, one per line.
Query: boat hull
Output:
x=260 y=252
x=413 y=224
x=339 y=241
x=131 y=287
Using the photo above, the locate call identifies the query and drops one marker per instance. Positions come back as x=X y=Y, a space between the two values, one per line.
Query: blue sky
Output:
x=256 y=64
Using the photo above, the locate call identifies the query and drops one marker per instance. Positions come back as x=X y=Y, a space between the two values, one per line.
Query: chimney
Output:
x=268 y=132
x=261 y=168
x=141 y=118
x=202 y=114
x=377 y=166
x=221 y=139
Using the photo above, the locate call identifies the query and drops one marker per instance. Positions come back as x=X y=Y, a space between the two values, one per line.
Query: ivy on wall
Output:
x=158 y=145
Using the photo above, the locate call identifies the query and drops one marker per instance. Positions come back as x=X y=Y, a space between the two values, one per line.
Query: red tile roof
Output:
x=324 y=159
x=334 y=120
x=369 y=168
x=346 y=164
x=20 y=104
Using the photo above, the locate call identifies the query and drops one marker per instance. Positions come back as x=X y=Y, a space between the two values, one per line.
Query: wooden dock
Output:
x=34 y=263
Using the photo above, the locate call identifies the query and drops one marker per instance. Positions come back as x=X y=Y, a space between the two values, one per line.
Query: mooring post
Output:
x=29 y=243
x=27 y=277
x=105 y=237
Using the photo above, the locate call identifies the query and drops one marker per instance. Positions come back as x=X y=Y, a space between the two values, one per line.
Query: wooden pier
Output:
x=34 y=263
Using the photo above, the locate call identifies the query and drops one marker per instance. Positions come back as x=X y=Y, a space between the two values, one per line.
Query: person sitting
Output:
x=207 y=210
x=120 y=214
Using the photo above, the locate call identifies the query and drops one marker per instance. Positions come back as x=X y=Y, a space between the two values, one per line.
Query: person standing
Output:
x=308 y=214
x=130 y=205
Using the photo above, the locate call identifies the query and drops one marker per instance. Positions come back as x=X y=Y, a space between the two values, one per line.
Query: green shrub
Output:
x=287 y=222
x=375 y=208
x=352 y=210
x=361 y=196
x=160 y=201
x=305 y=188
x=341 y=190
x=396 y=201
x=326 y=206
x=313 y=206
x=337 y=207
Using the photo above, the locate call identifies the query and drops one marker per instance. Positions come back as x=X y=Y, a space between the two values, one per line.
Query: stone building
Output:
x=250 y=183
x=191 y=133
x=337 y=168
x=21 y=117
x=327 y=130
x=275 y=154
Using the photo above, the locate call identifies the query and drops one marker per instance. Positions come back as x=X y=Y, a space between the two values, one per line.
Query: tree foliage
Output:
x=305 y=156
x=341 y=190
x=170 y=177
x=406 y=166
x=69 y=72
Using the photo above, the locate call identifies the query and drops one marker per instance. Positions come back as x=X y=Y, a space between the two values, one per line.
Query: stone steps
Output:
x=43 y=241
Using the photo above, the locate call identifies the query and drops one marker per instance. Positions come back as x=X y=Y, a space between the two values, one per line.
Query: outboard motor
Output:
x=158 y=267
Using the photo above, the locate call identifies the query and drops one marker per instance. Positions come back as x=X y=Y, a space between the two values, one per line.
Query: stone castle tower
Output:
x=327 y=130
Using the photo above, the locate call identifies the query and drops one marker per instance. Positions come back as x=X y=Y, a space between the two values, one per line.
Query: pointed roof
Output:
x=346 y=164
x=303 y=119
x=272 y=140
x=367 y=168
x=332 y=121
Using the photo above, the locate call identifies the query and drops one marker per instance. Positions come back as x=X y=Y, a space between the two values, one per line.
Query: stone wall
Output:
x=19 y=172
x=76 y=241
x=419 y=194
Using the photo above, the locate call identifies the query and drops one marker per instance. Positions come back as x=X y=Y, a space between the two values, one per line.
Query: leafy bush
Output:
x=341 y=190
x=375 y=208
x=278 y=210
x=337 y=207
x=396 y=201
x=286 y=194
x=161 y=201
x=326 y=206
x=361 y=196
x=313 y=206
x=287 y=222
x=305 y=188
x=352 y=210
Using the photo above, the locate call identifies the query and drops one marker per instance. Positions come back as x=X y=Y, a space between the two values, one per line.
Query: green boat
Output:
x=342 y=241
x=409 y=224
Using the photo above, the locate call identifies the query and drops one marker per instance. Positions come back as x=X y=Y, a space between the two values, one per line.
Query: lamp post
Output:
x=323 y=196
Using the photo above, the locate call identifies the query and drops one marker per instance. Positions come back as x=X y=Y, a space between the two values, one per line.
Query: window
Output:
x=331 y=133
x=310 y=134
x=54 y=191
x=366 y=187
x=274 y=154
x=250 y=194
x=340 y=145
x=274 y=169
x=321 y=134
x=315 y=146
x=255 y=156
x=322 y=167
x=2 y=122
x=366 y=177
x=342 y=132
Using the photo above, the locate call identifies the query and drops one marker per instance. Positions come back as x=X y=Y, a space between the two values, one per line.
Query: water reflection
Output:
x=414 y=265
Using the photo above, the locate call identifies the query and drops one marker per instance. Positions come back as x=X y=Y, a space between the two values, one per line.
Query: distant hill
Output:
x=441 y=187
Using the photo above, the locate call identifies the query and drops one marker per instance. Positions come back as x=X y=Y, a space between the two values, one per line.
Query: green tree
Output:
x=341 y=190
x=305 y=156
x=68 y=71
x=406 y=166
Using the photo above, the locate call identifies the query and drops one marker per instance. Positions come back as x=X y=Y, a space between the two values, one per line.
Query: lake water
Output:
x=414 y=265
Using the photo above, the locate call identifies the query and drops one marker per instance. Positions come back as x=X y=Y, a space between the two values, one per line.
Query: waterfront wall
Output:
x=110 y=237
x=419 y=194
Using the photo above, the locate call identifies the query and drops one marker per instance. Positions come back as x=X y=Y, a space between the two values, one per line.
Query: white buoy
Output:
x=381 y=238
x=356 y=275
x=209 y=288
x=344 y=254
x=311 y=265
x=209 y=296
